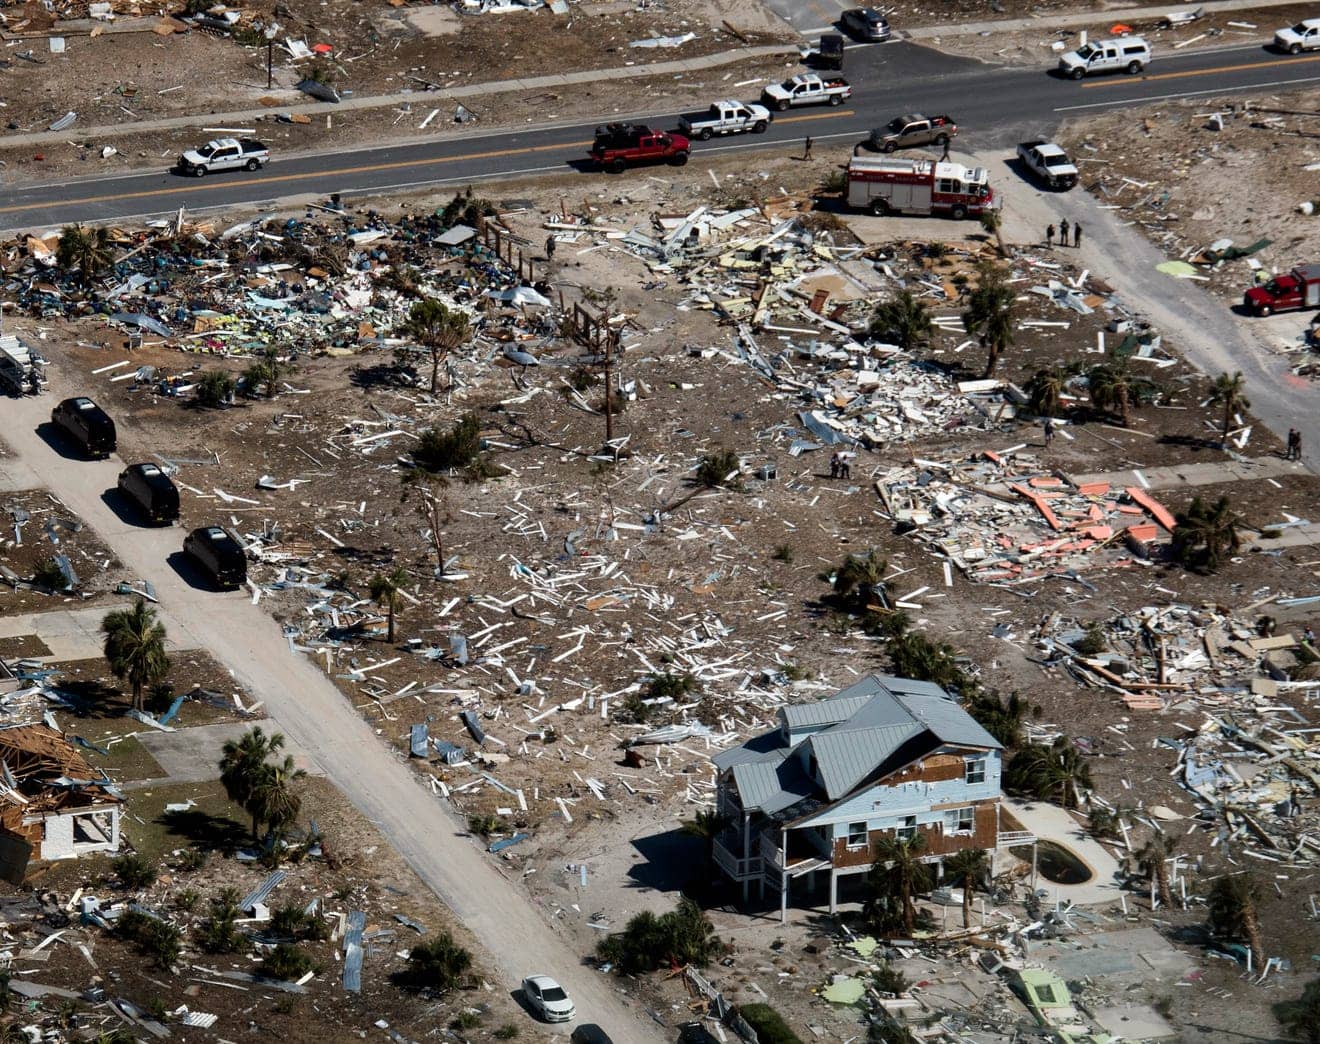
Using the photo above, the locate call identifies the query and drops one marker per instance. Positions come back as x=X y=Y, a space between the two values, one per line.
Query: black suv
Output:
x=217 y=552
x=151 y=490
x=87 y=424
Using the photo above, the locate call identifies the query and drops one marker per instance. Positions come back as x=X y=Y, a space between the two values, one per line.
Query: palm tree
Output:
x=904 y=319
x=385 y=589
x=1152 y=857
x=1232 y=910
x=862 y=578
x=135 y=647
x=707 y=824
x=993 y=222
x=86 y=249
x=1045 y=390
x=437 y=328
x=273 y=801
x=1054 y=773
x=913 y=655
x=1229 y=392
x=897 y=875
x=989 y=313
x=242 y=762
x=1204 y=533
x=969 y=865
x=1116 y=388
x=265 y=373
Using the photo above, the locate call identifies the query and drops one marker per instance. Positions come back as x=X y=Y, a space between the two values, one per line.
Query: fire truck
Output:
x=906 y=186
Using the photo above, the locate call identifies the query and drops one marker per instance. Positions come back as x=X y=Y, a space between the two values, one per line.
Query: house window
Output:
x=976 y=771
x=857 y=835
x=907 y=827
x=960 y=820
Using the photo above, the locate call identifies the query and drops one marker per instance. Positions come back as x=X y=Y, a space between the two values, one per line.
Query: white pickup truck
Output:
x=1049 y=163
x=807 y=89
x=725 y=117
x=224 y=154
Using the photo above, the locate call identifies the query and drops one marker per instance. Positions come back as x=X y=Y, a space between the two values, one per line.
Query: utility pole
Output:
x=610 y=336
x=270 y=55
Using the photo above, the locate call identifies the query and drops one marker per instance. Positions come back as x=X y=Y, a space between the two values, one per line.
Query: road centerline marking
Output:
x=1183 y=74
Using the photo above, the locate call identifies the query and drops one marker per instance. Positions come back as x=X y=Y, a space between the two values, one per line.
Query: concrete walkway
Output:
x=1052 y=823
x=70 y=634
x=1202 y=473
x=192 y=755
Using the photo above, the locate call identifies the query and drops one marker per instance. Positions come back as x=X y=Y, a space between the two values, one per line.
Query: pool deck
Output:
x=1051 y=823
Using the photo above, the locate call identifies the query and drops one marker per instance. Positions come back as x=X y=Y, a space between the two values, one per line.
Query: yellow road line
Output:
x=368 y=168
x=1206 y=72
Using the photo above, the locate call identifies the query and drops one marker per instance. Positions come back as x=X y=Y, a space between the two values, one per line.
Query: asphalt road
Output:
x=993 y=107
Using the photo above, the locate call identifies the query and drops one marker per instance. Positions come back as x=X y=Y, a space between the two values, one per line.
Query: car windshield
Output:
x=1299 y=28
x=206 y=150
x=1085 y=51
x=872 y=17
x=554 y=993
x=898 y=123
x=1056 y=161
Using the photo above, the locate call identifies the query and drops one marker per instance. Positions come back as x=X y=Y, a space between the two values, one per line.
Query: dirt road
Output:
x=1198 y=325
x=307 y=707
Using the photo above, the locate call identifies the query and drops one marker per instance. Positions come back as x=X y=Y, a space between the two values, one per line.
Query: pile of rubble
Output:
x=1002 y=519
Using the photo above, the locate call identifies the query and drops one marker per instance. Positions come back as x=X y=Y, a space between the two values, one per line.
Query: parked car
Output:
x=866 y=23
x=620 y=145
x=86 y=424
x=695 y=1033
x=725 y=117
x=1304 y=36
x=219 y=555
x=906 y=132
x=1130 y=53
x=1049 y=163
x=224 y=154
x=151 y=490
x=807 y=89
x=589 y=1033
x=548 y=999
x=1298 y=288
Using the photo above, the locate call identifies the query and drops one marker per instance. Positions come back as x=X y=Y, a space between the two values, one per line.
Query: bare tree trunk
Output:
x=435 y=370
x=1251 y=929
x=390 y=625
x=434 y=509
x=967 y=901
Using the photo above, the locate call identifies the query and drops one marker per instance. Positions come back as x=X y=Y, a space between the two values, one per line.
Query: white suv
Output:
x=1130 y=53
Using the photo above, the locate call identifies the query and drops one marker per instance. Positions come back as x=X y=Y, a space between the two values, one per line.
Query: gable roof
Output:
x=871 y=728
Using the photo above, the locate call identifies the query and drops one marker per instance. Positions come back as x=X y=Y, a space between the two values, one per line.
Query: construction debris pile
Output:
x=1000 y=518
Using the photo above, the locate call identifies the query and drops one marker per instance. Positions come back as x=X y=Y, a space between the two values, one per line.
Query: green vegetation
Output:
x=506 y=1032
x=1205 y=534
x=682 y=936
x=903 y=320
x=287 y=962
x=158 y=939
x=990 y=313
x=1055 y=773
x=215 y=388
x=438 y=329
x=385 y=588
x=134 y=871
x=1232 y=913
x=1230 y=393
x=49 y=576
x=769 y=1025
x=86 y=249
x=219 y=933
x=719 y=468
x=135 y=647
x=265 y=374
x=896 y=877
x=438 y=452
x=264 y=789
x=1301 y=1017
x=437 y=965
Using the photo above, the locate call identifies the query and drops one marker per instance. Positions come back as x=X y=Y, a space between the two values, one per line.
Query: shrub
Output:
x=484 y=824
x=134 y=871
x=783 y=553
x=1093 y=642
x=214 y=389
x=506 y=1032
x=889 y=979
x=159 y=939
x=440 y=451
x=684 y=935
x=438 y=965
x=287 y=962
x=186 y=899
x=466 y=1019
x=671 y=686
x=769 y=1024
x=194 y=859
x=218 y=933
x=288 y=919
x=49 y=575
x=719 y=468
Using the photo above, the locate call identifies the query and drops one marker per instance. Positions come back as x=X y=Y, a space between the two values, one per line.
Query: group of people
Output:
x=1063 y=234
x=841 y=466
x=1294 y=450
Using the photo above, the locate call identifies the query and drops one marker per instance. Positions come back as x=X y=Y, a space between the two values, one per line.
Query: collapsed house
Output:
x=52 y=804
x=885 y=757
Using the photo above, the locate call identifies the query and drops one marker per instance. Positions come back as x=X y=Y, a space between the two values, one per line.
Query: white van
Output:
x=1131 y=53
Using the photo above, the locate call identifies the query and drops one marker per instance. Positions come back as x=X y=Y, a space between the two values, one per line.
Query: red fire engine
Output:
x=905 y=186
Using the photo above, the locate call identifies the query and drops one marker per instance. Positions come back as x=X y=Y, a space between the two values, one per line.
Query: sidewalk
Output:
x=1203 y=473
x=239 y=117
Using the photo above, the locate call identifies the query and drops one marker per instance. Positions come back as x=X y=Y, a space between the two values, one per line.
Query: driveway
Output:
x=305 y=706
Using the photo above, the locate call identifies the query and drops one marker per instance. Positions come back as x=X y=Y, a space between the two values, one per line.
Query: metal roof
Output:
x=826 y=712
x=846 y=756
x=768 y=746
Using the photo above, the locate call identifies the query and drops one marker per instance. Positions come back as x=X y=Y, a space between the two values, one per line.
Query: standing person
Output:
x=1292 y=438
x=1049 y=235
x=1297 y=446
x=806 y=148
x=1049 y=431
x=945 y=157
x=845 y=465
x=1077 y=233
x=1063 y=232
x=550 y=247
x=834 y=466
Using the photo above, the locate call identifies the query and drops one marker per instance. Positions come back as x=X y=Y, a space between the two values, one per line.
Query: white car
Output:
x=1304 y=36
x=548 y=999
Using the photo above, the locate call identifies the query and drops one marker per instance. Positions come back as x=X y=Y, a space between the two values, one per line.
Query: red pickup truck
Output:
x=620 y=145
x=1299 y=288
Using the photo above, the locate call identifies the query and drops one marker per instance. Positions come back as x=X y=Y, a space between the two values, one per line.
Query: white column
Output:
x=834 y=890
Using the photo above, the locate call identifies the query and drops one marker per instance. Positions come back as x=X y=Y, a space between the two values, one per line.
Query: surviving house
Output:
x=52 y=805
x=886 y=756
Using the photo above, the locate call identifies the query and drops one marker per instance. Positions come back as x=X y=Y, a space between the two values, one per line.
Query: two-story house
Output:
x=886 y=756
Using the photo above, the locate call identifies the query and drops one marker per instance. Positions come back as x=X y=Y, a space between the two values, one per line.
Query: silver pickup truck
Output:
x=224 y=154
